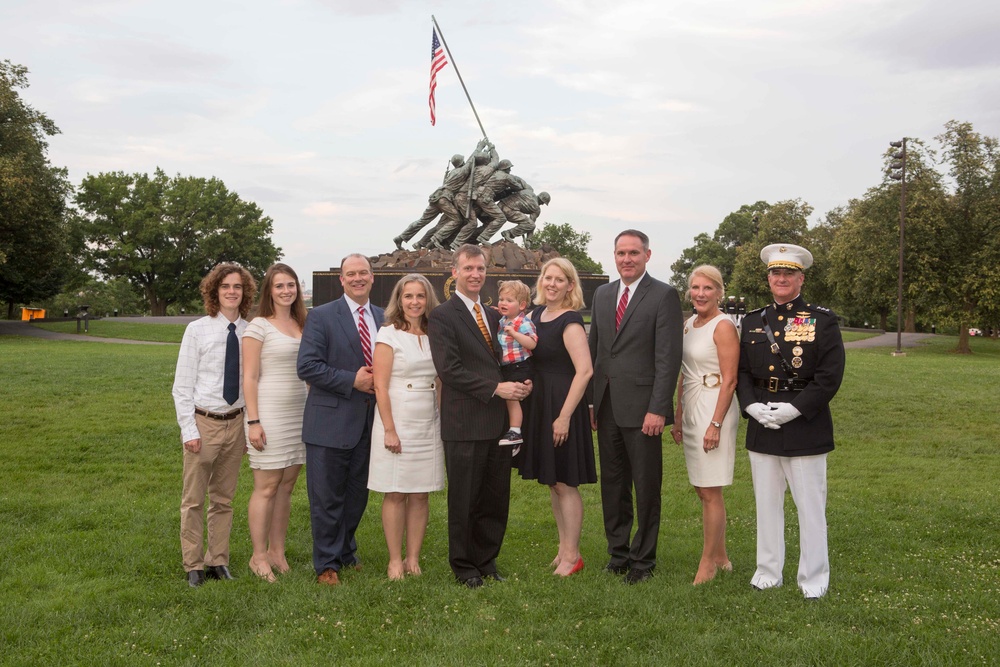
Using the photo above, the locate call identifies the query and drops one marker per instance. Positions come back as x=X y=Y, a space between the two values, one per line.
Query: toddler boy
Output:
x=517 y=337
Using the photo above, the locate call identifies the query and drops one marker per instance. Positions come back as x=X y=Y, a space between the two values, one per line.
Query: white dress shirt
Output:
x=200 y=374
x=470 y=304
x=631 y=290
x=369 y=318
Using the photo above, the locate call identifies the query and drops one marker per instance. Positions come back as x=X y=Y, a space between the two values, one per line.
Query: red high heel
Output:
x=577 y=568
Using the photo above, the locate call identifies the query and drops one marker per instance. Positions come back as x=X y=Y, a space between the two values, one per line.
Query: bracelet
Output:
x=251 y=422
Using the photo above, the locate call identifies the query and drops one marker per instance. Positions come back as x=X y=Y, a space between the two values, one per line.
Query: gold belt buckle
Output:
x=705 y=378
x=772 y=385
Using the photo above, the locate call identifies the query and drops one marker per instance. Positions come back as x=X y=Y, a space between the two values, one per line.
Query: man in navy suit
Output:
x=335 y=360
x=462 y=335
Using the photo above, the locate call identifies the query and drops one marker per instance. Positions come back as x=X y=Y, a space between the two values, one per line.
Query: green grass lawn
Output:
x=92 y=575
x=165 y=333
x=850 y=336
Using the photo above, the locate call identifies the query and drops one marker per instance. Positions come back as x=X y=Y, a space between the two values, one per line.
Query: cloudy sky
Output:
x=659 y=115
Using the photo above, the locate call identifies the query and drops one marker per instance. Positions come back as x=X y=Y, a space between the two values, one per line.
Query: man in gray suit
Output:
x=335 y=359
x=635 y=342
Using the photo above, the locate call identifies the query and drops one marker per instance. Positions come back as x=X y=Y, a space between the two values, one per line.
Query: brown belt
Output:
x=225 y=416
x=775 y=385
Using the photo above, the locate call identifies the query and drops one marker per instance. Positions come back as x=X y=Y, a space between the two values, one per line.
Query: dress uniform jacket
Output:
x=808 y=337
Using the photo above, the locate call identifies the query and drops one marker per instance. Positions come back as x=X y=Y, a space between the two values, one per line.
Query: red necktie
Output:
x=622 y=305
x=366 y=339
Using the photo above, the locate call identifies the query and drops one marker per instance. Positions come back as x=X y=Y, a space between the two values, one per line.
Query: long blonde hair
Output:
x=574 y=298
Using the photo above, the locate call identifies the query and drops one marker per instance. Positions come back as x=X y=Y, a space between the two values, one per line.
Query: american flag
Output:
x=438 y=62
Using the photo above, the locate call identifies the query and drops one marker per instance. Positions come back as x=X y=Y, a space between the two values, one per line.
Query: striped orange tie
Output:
x=482 y=326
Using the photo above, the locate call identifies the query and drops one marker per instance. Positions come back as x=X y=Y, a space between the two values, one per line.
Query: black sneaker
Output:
x=511 y=438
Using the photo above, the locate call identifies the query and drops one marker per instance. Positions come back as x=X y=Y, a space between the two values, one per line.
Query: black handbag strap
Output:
x=775 y=350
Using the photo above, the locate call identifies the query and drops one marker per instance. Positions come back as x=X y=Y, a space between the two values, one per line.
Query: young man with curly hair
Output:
x=208 y=397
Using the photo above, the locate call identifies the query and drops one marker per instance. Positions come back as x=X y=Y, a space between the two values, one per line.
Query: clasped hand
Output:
x=513 y=391
x=773 y=415
x=782 y=413
x=364 y=381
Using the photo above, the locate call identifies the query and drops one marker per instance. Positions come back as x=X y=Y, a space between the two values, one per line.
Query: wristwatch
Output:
x=717 y=424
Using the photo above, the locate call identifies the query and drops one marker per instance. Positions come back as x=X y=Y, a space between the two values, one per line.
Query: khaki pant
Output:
x=213 y=470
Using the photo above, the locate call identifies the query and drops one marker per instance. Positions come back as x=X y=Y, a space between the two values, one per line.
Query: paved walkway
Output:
x=889 y=340
x=19 y=328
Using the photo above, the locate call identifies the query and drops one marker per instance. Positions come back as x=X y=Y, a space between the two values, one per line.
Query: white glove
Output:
x=760 y=412
x=782 y=413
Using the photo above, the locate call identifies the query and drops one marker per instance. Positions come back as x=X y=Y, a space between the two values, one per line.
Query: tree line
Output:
x=142 y=242
x=950 y=256
x=129 y=240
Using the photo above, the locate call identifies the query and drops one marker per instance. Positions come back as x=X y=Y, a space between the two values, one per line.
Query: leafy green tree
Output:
x=36 y=240
x=968 y=253
x=164 y=234
x=863 y=264
x=103 y=296
x=719 y=250
x=819 y=240
x=784 y=222
x=569 y=243
x=706 y=250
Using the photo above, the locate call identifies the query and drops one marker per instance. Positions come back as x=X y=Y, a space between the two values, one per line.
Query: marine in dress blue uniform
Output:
x=791 y=366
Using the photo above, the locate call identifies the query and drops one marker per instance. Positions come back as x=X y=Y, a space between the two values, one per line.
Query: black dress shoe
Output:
x=616 y=569
x=495 y=576
x=196 y=578
x=473 y=582
x=636 y=576
x=218 y=572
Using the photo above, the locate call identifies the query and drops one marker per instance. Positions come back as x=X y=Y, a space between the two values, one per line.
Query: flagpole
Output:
x=455 y=65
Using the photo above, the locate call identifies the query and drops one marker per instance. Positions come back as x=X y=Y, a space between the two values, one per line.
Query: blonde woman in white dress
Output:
x=275 y=399
x=407 y=458
x=707 y=417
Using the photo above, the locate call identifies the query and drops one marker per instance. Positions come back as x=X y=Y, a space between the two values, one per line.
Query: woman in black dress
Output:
x=558 y=446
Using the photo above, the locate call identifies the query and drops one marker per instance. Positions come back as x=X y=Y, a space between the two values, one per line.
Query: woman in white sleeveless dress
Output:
x=275 y=399
x=407 y=457
x=707 y=417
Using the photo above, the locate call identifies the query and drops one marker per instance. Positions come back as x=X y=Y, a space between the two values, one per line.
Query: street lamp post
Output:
x=898 y=173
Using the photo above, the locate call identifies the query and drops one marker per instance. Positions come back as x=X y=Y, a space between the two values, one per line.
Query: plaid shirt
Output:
x=512 y=351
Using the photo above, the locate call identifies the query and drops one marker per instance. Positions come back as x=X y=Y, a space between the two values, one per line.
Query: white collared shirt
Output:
x=470 y=304
x=369 y=318
x=201 y=366
x=631 y=290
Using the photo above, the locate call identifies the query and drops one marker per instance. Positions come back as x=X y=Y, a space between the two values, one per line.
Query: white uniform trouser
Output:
x=806 y=475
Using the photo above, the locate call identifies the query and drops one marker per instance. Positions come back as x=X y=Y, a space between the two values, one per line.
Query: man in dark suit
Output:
x=791 y=366
x=635 y=342
x=335 y=360
x=462 y=335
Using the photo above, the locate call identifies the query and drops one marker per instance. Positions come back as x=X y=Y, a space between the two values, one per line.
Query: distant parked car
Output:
x=975 y=332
